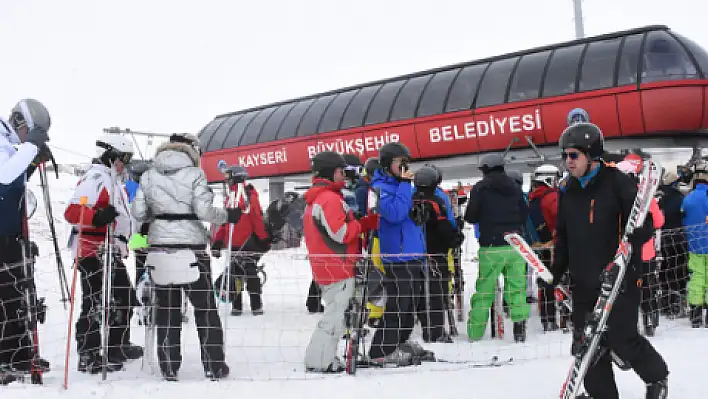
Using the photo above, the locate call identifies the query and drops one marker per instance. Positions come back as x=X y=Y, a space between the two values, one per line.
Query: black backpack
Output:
x=543 y=233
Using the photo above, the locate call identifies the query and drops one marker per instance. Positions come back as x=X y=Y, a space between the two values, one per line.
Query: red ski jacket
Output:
x=250 y=223
x=549 y=205
x=332 y=233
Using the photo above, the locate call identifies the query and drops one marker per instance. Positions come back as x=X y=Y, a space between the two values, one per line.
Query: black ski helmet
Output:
x=236 y=174
x=426 y=177
x=354 y=166
x=324 y=164
x=392 y=150
x=585 y=137
x=439 y=172
x=371 y=165
x=491 y=162
x=517 y=176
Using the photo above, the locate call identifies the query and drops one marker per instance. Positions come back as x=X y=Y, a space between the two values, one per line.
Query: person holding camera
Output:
x=403 y=252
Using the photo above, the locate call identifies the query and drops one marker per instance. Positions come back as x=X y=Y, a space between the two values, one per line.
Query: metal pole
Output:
x=578 y=13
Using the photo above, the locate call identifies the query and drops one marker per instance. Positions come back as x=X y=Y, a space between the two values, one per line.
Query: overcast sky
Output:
x=170 y=66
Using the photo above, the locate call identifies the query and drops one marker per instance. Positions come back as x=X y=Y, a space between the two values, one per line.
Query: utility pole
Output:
x=578 y=12
x=150 y=136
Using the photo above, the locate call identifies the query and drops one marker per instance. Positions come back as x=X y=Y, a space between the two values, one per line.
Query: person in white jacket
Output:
x=21 y=139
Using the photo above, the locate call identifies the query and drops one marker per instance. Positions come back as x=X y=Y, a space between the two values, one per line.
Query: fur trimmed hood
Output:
x=174 y=156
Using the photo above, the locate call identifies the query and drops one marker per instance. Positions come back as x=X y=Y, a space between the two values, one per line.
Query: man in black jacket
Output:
x=673 y=268
x=497 y=204
x=594 y=205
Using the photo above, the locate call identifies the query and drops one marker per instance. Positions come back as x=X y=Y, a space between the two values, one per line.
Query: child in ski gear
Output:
x=249 y=242
x=594 y=206
x=332 y=237
x=497 y=204
x=107 y=204
x=543 y=210
x=402 y=246
x=27 y=130
x=695 y=220
x=175 y=199
x=440 y=235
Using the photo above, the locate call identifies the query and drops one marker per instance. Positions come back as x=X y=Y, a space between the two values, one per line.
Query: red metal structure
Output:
x=642 y=84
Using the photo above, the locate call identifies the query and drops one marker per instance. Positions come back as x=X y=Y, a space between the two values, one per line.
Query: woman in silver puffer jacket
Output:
x=174 y=199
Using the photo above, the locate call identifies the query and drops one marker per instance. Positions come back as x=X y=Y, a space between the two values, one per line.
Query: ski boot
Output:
x=658 y=390
x=125 y=352
x=26 y=366
x=417 y=351
x=257 y=312
x=397 y=358
x=91 y=362
x=696 y=316
x=217 y=372
x=520 y=331
x=169 y=375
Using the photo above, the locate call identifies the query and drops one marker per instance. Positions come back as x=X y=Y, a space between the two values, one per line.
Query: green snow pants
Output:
x=492 y=261
x=698 y=284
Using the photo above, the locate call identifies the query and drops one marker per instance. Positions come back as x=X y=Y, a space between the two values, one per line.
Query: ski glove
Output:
x=234 y=214
x=102 y=217
x=369 y=222
x=38 y=136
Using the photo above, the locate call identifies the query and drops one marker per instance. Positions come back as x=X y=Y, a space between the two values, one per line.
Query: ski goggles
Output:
x=572 y=155
x=124 y=157
x=353 y=169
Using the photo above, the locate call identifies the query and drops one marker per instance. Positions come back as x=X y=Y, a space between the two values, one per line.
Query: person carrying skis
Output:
x=106 y=204
x=440 y=237
x=249 y=241
x=27 y=129
x=175 y=199
x=332 y=237
x=594 y=205
x=402 y=246
x=543 y=210
x=498 y=205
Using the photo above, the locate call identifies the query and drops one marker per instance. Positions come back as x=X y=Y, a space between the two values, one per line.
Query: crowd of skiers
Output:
x=401 y=219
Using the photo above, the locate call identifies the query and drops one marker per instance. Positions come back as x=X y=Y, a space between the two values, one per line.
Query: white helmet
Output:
x=546 y=174
x=111 y=147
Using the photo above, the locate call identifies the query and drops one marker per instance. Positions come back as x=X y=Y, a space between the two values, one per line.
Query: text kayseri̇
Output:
x=263 y=158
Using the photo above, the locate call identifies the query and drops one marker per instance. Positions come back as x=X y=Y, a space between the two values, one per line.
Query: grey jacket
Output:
x=176 y=185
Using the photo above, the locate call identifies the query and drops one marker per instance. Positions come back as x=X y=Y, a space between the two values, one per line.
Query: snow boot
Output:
x=520 y=331
x=169 y=375
x=658 y=390
x=257 y=312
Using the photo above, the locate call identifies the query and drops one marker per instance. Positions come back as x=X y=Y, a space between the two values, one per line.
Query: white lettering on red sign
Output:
x=353 y=146
x=263 y=158
x=484 y=127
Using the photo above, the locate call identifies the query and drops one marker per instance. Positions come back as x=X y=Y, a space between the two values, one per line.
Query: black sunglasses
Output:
x=572 y=155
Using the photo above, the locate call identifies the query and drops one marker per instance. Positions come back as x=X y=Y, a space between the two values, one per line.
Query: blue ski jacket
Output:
x=398 y=234
x=695 y=219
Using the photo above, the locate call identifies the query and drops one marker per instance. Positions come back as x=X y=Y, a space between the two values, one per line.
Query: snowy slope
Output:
x=265 y=353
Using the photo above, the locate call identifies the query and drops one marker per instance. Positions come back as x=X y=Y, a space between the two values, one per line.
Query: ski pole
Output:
x=63 y=284
x=72 y=299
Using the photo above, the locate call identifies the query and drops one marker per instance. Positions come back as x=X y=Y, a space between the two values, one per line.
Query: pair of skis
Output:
x=611 y=282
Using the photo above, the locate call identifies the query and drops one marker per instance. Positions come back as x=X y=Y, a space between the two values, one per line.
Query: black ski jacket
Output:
x=670 y=202
x=590 y=222
x=497 y=204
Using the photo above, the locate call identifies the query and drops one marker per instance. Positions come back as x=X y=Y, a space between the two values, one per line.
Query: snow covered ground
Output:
x=265 y=353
